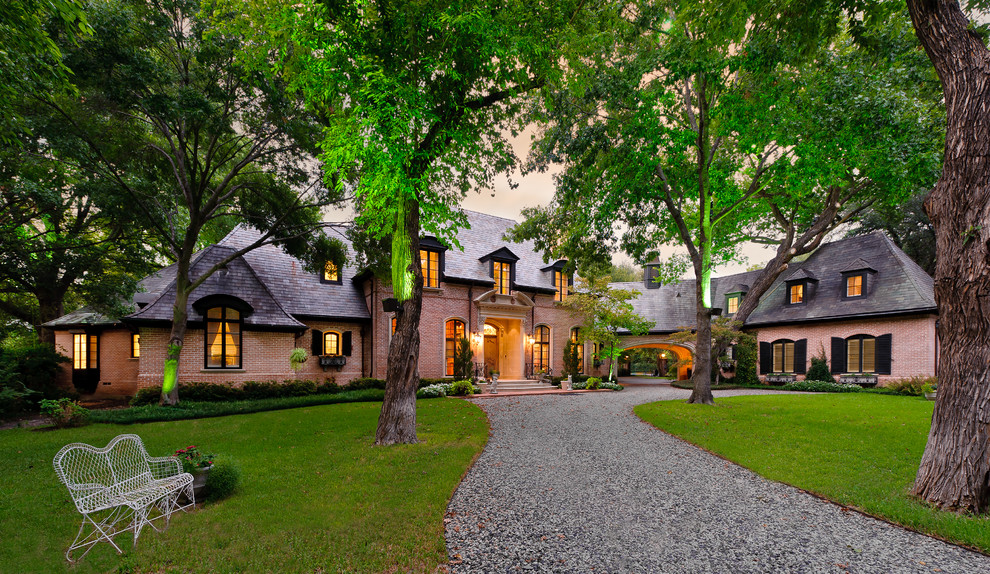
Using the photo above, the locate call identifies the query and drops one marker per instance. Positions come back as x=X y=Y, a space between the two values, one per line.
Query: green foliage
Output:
x=63 y=413
x=366 y=383
x=433 y=391
x=192 y=459
x=745 y=353
x=572 y=364
x=195 y=410
x=461 y=388
x=821 y=387
x=251 y=390
x=914 y=386
x=223 y=479
x=463 y=359
x=27 y=374
x=819 y=370
x=297 y=357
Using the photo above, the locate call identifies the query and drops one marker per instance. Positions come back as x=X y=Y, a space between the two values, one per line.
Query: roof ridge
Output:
x=489 y=215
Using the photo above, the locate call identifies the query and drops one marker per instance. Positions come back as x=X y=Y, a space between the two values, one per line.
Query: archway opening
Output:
x=656 y=360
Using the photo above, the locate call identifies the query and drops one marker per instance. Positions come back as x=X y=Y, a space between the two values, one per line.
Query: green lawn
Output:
x=860 y=450
x=315 y=495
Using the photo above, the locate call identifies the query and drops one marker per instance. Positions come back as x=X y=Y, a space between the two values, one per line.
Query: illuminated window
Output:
x=223 y=338
x=453 y=334
x=135 y=345
x=861 y=354
x=430 y=262
x=395 y=322
x=502 y=273
x=579 y=345
x=854 y=286
x=561 y=282
x=331 y=274
x=85 y=351
x=733 y=304
x=541 y=349
x=797 y=293
x=331 y=343
x=783 y=357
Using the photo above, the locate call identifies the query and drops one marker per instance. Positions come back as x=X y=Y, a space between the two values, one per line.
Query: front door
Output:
x=85 y=362
x=491 y=353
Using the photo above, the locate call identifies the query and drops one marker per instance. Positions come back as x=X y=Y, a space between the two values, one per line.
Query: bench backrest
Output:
x=93 y=473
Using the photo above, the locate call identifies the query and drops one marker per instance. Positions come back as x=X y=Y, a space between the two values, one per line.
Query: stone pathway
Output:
x=577 y=483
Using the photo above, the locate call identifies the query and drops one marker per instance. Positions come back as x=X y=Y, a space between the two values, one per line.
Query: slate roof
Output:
x=670 y=306
x=300 y=292
x=484 y=237
x=79 y=318
x=239 y=281
x=898 y=286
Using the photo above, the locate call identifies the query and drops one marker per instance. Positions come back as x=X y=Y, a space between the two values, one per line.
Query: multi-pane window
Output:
x=331 y=273
x=797 y=293
x=561 y=282
x=783 y=357
x=430 y=262
x=541 y=349
x=579 y=345
x=223 y=338
x=85 y=351
x=733 y=304
x=854 y=286
x=135 y=345
x=395 y=322
x=501 y=271
x=331 y=343
x=861 y=355
x=453 y=333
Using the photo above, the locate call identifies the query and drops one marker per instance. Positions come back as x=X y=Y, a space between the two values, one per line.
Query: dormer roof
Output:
x=859 y=264
x=500 y=254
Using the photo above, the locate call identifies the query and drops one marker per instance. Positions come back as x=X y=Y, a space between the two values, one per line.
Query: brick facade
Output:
x=913 y=341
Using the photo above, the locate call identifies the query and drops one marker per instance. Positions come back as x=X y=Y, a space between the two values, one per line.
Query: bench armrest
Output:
x=164 y=466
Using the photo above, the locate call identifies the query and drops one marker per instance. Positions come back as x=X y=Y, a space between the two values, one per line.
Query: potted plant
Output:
x=197 y=464
x=297 y=357
x=930 y=390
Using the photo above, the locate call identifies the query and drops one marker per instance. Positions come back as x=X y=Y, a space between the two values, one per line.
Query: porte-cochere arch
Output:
x=681 y=351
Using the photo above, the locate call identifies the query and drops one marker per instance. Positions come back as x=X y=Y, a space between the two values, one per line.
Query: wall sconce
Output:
x=529 y=339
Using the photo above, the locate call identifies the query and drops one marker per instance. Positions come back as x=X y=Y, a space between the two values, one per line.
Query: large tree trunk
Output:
x=955 y=468
x=397 y=421
x=702 y=365
x=50 y=307
x=170 y=380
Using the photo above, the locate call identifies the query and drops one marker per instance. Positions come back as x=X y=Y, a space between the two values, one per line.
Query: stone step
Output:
x=522 y=386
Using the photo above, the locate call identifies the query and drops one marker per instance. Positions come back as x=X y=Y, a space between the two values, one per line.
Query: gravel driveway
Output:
x=577 y=483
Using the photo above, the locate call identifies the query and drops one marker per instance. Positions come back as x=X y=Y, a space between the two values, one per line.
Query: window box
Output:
x=336 y=361
x=865 y=380
x=781 y=379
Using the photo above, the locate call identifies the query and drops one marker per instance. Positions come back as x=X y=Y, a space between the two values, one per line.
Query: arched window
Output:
x=453 y=333
x=223 y=338
x=541 y=349
x=579 y=345
x=331 y=343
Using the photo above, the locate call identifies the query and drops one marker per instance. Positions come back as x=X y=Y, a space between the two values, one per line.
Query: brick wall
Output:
x=118 y=371
x=912 y=341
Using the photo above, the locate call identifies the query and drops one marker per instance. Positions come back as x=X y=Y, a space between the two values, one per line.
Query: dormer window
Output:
x=856 y=279
x=734 y=297
x=854 y=286
x=732 y=304
x=651 y=274
x=430 y=262
x=331 y=273
x=561 y=282
x=502 y=273
x=796 y=293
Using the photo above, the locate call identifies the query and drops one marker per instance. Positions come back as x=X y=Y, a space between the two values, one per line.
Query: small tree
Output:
x=571 y=363
x=463 y=359
x=819 y=370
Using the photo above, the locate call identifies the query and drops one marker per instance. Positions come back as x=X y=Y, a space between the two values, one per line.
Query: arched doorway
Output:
x=667 y=356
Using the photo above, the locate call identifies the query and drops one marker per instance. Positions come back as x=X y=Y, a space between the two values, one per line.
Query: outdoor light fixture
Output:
x=391 y=305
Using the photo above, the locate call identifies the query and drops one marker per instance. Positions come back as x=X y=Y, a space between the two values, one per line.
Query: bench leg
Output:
x=105 y=529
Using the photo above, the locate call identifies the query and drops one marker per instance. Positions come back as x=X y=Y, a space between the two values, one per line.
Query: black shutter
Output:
x=838 y=355
x=345 y=345
x=883 y=350
x=317 y=342
x=801 y=356
x=766 y=358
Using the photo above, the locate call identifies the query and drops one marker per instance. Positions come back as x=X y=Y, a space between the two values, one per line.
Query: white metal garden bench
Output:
x=120 y=484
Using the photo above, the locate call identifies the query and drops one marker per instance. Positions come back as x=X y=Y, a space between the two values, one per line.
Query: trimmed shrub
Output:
x=592 y=383
x=461 y=388
x=222 y=480
x=366 y=383
x=821 y=387
x=64 y=413
x=819 y=371
x=745 y=354
x=571 y=362
x=429 y=382
x=432 y=392
x=612 y=386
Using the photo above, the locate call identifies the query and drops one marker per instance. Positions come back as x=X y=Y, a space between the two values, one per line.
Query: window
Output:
x=430 y=262
x=854 y=286
x=783 y=357
x=541 y=349
x=85 y=351
x=861 y=354
x=579 y=345
x=135 y=345
x=453 y=333
x=331 y=274
x=331 y=343
x=223 y=338
x=561 y=282
x=797 y=294
x=733 y=304
x=501 y=271
x=395 y=322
